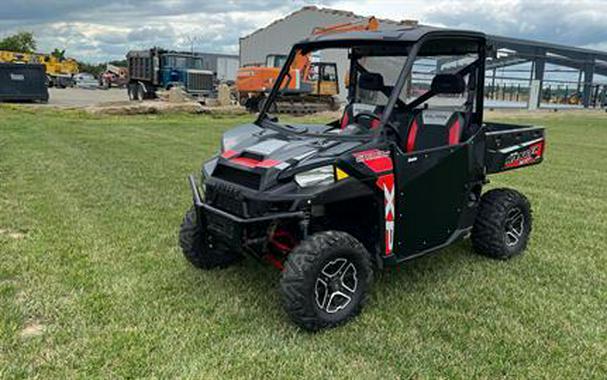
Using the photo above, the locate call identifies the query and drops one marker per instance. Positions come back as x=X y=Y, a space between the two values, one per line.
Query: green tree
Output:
x=95 y=68
x=22 y=42
x=59 y=54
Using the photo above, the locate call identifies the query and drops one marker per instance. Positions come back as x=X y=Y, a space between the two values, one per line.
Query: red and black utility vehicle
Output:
x=399 y=175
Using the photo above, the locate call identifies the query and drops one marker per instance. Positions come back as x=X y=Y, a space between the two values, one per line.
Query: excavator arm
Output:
x=253 y=82
x=371 y=24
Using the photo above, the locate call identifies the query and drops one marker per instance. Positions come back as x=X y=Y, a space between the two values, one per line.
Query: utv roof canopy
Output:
x=378 y=41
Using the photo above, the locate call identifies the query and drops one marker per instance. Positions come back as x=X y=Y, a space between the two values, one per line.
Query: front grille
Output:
x=221 y=225
x=200 y=81
x=261 y=208
x=225 y=197
x=238 y=176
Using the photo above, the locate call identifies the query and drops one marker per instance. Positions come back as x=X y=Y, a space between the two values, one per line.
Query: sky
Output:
x=101 y=30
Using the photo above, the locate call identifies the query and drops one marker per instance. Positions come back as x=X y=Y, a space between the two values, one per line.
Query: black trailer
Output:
x=23 y=82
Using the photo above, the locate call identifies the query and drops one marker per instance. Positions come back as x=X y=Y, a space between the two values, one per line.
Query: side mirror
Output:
x=448 y=84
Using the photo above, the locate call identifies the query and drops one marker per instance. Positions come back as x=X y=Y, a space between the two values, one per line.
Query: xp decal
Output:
x=386 y=183
x=379 y=161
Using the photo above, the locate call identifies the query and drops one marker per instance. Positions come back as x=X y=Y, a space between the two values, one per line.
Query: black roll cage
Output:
x=414 y=49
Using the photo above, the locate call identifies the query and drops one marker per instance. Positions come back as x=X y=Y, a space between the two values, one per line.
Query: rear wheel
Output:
x=503 y=224
x=325 y=280
x=198 y=249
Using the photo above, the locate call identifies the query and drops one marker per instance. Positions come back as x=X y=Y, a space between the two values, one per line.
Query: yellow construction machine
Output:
x=59 y=71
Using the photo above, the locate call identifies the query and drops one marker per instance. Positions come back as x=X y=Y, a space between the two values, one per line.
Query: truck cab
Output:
x=185 y=70
x=276 y=60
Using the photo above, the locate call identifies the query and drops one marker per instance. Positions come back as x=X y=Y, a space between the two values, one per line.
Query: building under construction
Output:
x=520 y=73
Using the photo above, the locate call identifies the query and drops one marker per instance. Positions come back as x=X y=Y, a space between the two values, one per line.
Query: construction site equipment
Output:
x=23 y=82
x=153 y=69
x=114 y=76
x=59 y=71
x=312 y=86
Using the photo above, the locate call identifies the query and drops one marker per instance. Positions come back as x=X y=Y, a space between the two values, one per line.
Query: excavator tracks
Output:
x=303 y=105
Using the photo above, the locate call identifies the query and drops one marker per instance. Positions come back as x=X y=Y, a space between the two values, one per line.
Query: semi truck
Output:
x=158 y=69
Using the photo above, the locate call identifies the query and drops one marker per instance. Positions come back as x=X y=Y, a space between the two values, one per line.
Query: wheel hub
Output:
x=514 y=226
x=336 y=285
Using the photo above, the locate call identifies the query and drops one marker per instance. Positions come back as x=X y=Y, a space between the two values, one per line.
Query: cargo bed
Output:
x=511 y=146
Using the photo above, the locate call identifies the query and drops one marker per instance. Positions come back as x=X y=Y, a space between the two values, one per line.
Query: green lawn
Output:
x=92 y=283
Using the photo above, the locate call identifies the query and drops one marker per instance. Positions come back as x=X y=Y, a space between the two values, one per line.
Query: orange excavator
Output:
x=314 y=86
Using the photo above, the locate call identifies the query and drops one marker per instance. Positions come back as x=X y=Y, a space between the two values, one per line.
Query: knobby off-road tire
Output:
x=197 y=249
x=319 y=277
x=503 y=224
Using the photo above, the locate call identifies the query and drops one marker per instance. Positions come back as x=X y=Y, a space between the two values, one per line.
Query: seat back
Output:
x=432 y=129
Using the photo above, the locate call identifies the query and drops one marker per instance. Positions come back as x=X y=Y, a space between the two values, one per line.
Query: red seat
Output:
x=423 y=135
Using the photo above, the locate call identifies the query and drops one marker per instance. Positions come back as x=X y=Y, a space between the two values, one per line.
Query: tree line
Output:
x=25 y=42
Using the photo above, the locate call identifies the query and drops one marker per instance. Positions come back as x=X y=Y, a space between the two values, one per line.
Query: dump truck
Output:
x=312 y=86
x=158 y=69
x=59 y=71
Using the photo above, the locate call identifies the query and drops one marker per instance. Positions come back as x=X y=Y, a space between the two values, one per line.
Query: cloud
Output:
x=570 y=22
x=97 y=31
x=578 y=23
x=101 y=30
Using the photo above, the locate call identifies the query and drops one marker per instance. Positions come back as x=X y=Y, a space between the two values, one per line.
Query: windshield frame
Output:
x=414 y=49
x=263 y=120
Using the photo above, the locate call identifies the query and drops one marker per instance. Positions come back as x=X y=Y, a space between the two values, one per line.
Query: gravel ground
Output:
x=79 y=97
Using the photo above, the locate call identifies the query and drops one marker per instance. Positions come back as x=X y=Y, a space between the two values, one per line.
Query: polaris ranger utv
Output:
x=400 y=175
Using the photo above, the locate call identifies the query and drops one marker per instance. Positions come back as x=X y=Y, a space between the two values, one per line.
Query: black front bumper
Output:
x=230 y=228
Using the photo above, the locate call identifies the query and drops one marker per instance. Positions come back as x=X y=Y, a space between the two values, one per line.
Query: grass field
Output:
x=92 y=283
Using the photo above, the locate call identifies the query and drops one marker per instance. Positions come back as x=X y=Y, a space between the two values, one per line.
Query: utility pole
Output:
x=191 y=40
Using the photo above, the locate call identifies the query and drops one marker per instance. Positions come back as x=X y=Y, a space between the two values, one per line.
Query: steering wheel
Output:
x=367 y=114
x=373 y=116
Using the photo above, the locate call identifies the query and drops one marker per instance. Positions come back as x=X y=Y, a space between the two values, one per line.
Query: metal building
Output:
x=224 y=66
x=516 y=67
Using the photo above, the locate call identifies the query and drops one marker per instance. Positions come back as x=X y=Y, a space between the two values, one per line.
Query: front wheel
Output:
x=198 y=249
x=503 y=224
x=132 y=92
x=325 y=280
x=141 y=93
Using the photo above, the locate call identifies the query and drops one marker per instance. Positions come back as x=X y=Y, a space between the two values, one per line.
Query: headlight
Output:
x=316 y=177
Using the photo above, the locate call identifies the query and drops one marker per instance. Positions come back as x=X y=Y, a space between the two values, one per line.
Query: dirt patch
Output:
x=162 y=107
x=17 y=235
x=32 y=329
x=145 y=107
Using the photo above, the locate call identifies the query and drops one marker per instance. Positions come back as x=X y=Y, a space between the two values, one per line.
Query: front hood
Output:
x=273 y=155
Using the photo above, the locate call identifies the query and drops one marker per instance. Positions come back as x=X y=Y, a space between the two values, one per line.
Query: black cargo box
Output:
x=513 y=146
x=20 y=82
